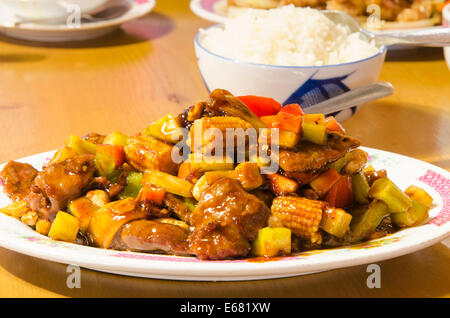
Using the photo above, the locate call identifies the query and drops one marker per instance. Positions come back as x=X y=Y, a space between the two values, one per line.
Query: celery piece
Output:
x=314 y=128
x=385 y=190
x=81 y=146
x=168 y=182
x=360 y=188
x=272 y=242
x=336 y=222
x=116 y=139
x=415 y=215
x=367 y=222
x=340 y=163
x=133 y=185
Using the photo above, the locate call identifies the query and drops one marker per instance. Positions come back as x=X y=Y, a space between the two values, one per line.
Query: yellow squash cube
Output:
x=64 y=228
x=272 y=242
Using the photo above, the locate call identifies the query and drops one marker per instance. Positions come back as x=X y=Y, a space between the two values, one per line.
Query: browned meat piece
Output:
x=94 y=138
x=225 y=219
x=150 y=236
x=61 y=182
x=16 y=179
x=307 y=156
x=356 y=162
x=177 y=206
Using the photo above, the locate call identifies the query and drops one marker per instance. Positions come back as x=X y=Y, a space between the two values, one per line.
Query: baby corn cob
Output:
x=205 y=130
x=302 y=216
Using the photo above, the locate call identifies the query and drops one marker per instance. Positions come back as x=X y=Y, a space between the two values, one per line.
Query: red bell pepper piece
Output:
x=294 y=109
x=333 y=125
x=152 y=194
x=284 y=121
x=340 y=195
x=324 y=182
x=261 y=106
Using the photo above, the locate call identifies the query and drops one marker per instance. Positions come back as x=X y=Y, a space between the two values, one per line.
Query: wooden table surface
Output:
x=127 y=79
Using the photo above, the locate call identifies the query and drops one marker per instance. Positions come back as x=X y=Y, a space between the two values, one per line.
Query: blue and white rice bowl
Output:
x=304 y=85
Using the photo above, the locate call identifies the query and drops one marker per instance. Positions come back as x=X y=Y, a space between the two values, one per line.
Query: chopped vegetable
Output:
x=288 y=139
x=271 y=242
x=294 y=109
x=314 y=128
x=333 y=125
x=248 y=175
x=64 y=228
x=116 y=139
x=339 y=164
x=385 y=190
x=168 y=182
x=109 y=158
x=368 y=220
x=83 y=209
x=98 y=197
x=284 y=121
x=419 y=195
x=152 y=194
x=116 y=152
x=336 y=222
x=360 y=188
x=16 y=209
x=133 y=185
x=63 y=154
x=323 y=183
x=282 y=185
x=166 y=128
x=302 y=216
x=414 y=216
x=30 y=218
x=43 y=226
x=79 y=145
x=261 y=106
x=340 y=194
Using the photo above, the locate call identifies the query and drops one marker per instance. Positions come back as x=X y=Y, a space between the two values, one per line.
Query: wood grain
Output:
x=127 y=79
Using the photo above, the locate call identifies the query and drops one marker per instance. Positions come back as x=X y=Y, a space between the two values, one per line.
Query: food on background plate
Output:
x=126 y=193
x=394 y=14
x=287 y=36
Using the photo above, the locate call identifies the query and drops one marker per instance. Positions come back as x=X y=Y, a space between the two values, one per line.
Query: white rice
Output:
x=289 y=36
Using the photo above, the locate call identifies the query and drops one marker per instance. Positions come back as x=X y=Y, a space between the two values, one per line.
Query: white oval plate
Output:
x=63 y=33
x=404 y=171
x=216 y=11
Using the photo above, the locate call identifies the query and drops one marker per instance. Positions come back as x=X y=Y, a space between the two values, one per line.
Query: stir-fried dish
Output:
x=165 y=191
x=428 y=12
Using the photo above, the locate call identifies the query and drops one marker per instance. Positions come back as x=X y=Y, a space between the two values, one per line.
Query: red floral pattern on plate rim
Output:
x=208 y=5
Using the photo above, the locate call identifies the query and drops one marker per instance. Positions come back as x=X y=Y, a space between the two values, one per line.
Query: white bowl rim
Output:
x=446 y=12
x=381 y=51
